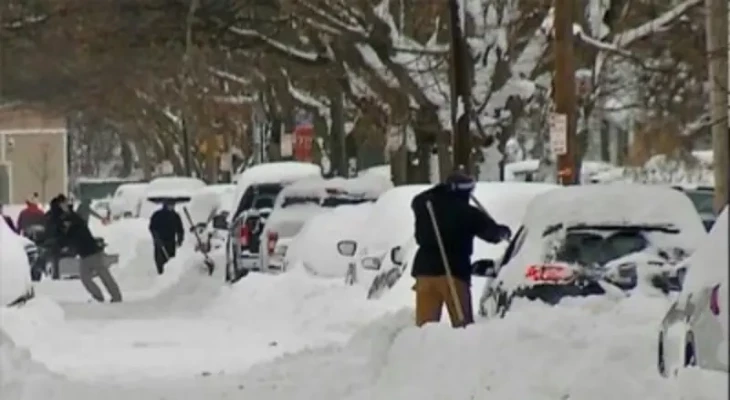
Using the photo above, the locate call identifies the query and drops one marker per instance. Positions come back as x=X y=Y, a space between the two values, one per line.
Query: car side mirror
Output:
x=486 y=268
x=347 y=248
x=371 y=263
x=396 y=255
x=220 y=221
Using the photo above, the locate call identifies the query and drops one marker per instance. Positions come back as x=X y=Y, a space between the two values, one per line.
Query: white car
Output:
x=594 y=240
x=126 y=200
x=178 y=189
x=15 y=284
x=303 y=200
x=694 y=332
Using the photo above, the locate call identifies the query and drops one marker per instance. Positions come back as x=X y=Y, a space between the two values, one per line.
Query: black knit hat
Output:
x=458 y=181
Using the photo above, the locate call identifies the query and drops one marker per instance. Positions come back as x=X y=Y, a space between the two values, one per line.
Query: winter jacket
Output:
x=76 y=234
x=31 y=215
x=458 y=223
x=166 y=226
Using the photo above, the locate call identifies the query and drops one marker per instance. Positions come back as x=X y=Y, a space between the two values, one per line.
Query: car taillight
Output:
x=271 y=243
x=244 y=235
x=549 y=273
x=715 y=300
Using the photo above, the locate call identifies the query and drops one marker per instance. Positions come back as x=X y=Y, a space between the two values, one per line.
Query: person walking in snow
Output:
x=8 y=220
x=167 y=232
x=458 y=223
x=31 y=216
x=76 y=233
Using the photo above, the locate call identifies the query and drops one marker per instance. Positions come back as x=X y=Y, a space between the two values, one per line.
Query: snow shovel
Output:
x=447 y=267
x=207 y=261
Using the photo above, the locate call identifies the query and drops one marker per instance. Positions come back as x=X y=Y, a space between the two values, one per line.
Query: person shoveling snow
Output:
x=446 y=225
x=167 y=232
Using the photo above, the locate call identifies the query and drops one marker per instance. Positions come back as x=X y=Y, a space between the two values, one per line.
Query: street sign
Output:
x=558 y=134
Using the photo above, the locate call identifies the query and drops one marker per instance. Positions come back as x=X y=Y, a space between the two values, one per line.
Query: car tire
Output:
x=690 y=355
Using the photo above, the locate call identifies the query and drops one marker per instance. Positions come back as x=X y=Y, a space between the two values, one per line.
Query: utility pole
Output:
x=460 y=89
x=564 y=92
x=717 y=53
x=187 y=61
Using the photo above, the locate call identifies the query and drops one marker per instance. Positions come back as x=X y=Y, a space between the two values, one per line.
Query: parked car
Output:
x=505 y=201
x=178 y=189
x=590 y=240
x=694 y=332
x=15 y=283
x=303 y=200
x=126 y=200
x=253 y=199
x=703 y=199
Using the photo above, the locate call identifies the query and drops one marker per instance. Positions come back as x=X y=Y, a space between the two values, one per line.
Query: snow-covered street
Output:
x=295 y=336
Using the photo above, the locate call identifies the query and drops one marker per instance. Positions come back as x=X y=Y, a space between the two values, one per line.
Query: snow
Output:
x=322 y=232
x=126 y=198
x=285 y=172
x=369 y=186
x=185 y=335
x=209 y=200
x=14 y=267
x=173 y=186
x=603 y=204
x=712 y=253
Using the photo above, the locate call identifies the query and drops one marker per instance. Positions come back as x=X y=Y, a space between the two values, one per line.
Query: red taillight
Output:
x=549 y=273
x=715 y=300
x=271 y=242
x=244 y=235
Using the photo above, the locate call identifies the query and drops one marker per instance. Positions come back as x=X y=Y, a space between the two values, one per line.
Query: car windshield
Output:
x=299 y=200
x=337 y=201
x=264 y=201
x=598 y=245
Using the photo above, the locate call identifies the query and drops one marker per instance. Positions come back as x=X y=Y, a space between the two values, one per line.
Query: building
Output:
x=33 y=154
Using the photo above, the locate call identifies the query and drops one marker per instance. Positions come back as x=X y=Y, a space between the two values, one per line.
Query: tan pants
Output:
x=432 y=292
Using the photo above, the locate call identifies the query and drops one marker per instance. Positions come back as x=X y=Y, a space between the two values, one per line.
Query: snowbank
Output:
x=315 y=247
x=14 y=267
x=711 y=252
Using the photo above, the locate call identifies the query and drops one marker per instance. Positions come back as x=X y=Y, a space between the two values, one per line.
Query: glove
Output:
x=504 y=232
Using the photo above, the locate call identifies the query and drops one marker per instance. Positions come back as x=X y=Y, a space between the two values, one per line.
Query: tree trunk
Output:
x=717 y=49
x=338 y=149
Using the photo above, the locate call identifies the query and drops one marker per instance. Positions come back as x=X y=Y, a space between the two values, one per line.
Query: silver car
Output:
x=694 y=332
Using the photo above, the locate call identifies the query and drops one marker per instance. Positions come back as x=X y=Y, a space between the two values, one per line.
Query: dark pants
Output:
x=433 y=292
x=164 y=251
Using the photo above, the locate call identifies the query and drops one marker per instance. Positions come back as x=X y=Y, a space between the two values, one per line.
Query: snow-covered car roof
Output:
x=173 y=186
x=127 y=188
x=276 y=172
x=615 y=204
x=368 y=187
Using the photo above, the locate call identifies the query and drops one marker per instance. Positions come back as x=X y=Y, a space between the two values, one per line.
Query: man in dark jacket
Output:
x=167 y=234
x=458 y=223
x=76 y=234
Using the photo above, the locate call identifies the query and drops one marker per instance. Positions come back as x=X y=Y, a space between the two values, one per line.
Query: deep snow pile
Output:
x=14 y=267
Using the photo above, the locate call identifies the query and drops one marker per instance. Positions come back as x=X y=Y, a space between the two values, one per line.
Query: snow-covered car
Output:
x=590 y=240
x=250 y=205
x=305 y=199
x=315 y=247
x=506 y=202
x=15 y=283
x=205 y=204
x=178 y=189
x=126 y=200
x=694 y=332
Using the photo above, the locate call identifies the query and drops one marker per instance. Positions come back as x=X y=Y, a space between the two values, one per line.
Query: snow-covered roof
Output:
x=173 y=186
x=368 y=186
x=284 y=171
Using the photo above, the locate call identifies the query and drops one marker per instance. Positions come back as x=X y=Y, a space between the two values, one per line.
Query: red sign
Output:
x=303 y=140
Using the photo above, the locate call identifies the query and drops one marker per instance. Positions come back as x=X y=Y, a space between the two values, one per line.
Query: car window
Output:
x=588 y=248
x=514 y=246
x=702 y=200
